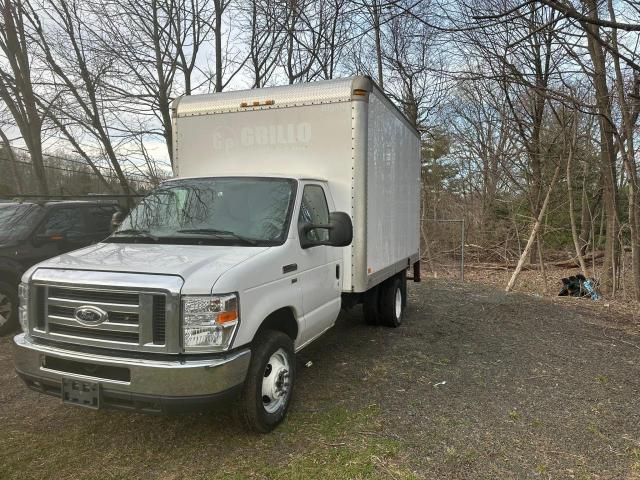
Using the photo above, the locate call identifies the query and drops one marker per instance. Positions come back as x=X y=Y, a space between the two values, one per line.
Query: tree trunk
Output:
x=20 y=97
x=219 y=7
x=376 y=30
x=607 y=150
x=572 y=216
x=627 y=152
x=12 y=162
x=534 y=233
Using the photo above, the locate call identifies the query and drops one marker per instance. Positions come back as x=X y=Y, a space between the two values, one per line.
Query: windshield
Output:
x=16 y=221
x=243 y=211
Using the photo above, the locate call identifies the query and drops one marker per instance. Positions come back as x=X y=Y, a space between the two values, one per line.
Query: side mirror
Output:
x=339 y=227
x=116 y=219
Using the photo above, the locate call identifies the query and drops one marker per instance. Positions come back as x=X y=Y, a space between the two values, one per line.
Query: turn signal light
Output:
x=225 y=317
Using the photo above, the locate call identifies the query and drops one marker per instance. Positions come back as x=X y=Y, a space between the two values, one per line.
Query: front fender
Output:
x=257 y=303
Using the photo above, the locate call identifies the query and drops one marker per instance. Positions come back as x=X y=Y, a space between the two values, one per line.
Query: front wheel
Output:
x=268 y=387
x=8 y=308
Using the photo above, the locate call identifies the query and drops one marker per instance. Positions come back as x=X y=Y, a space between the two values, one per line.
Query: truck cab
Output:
x=217 y=278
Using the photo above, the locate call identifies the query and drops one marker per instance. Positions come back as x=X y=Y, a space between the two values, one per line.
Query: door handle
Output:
x=292 y=267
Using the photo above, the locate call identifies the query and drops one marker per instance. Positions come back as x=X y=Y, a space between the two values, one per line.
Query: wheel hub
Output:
x=275 y=383
x=398 y=303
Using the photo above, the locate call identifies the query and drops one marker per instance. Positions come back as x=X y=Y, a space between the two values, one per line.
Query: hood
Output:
x=182 y=260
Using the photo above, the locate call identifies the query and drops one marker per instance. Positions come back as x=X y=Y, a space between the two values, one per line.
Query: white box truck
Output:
x=288 y=203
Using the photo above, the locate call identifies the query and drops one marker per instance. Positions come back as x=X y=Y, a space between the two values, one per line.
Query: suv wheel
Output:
x=8 y=308
x=268 y=387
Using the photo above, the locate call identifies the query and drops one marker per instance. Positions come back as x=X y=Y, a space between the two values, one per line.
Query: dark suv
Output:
x=31 y=232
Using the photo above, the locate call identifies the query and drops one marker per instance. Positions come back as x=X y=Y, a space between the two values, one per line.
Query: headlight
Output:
x=23 y=309
x=209 y=322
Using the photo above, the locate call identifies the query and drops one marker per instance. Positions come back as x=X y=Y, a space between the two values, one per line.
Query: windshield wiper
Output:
x=136 y=233
x=219 y=233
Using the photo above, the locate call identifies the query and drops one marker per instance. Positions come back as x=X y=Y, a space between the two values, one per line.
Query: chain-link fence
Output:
x=443 y=247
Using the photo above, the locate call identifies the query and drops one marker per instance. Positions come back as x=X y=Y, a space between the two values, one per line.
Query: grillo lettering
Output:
x=282 y=134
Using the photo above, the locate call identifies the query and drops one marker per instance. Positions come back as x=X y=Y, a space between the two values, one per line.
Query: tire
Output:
x=8 y=308
x=370 y=307
x=392 y=302
x=271 y=371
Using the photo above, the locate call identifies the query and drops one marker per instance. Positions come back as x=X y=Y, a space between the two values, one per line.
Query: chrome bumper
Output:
x=132 y=383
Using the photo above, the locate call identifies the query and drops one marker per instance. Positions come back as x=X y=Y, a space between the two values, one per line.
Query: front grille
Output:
x=159 y=319
x=94 y=296
x=40 y=295
x=111 y=336
x=118 y=317
x=114 y=317
x=134 y=320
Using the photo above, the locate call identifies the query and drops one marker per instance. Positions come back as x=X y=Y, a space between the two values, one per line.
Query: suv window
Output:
x=314 y=209
x=17 y=220
x=99 y=219
x=69 y=221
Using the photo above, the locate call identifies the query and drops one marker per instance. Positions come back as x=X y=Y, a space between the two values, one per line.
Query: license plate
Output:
x=80 y=392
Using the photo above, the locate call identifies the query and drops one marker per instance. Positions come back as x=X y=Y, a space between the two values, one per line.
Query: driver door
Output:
x=319 y=266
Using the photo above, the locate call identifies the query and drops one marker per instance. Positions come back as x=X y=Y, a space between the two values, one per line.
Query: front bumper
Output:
x=132 y=383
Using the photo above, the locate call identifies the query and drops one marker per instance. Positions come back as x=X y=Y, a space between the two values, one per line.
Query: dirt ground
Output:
x=533 y=282
x=476 y=384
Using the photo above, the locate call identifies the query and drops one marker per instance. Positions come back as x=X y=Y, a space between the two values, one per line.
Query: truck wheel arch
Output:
x=282 y=320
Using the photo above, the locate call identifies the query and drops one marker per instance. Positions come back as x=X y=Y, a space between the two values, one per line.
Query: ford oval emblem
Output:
x=90 y=315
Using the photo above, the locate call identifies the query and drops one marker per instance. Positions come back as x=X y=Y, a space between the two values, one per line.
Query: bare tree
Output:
x=607 y=152
x=266 y=39
x=17 y=85
x=486 y=143
x=11 y=157
x=302 y=42
x=414 y=67
x=155 y=46
x=78 y=70
x=629 y=112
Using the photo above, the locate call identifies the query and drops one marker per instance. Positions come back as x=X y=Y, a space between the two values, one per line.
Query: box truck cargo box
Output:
x=288 y=204
x=345 y=131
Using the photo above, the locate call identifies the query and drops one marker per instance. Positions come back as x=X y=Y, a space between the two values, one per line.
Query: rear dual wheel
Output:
x=384 y=304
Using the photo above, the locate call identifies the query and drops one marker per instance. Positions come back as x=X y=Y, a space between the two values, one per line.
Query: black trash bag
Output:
x=579 y=286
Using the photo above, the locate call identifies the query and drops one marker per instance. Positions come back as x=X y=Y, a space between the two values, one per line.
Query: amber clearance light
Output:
x=256 y=103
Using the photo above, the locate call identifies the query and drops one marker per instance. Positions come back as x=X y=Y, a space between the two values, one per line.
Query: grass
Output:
x=332 y=444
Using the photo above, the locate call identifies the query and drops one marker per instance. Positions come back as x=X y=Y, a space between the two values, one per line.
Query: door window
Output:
x=314 y=209
x=64 y=221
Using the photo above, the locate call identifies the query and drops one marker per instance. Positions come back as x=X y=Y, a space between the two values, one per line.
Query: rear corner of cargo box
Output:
x=393 y=191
